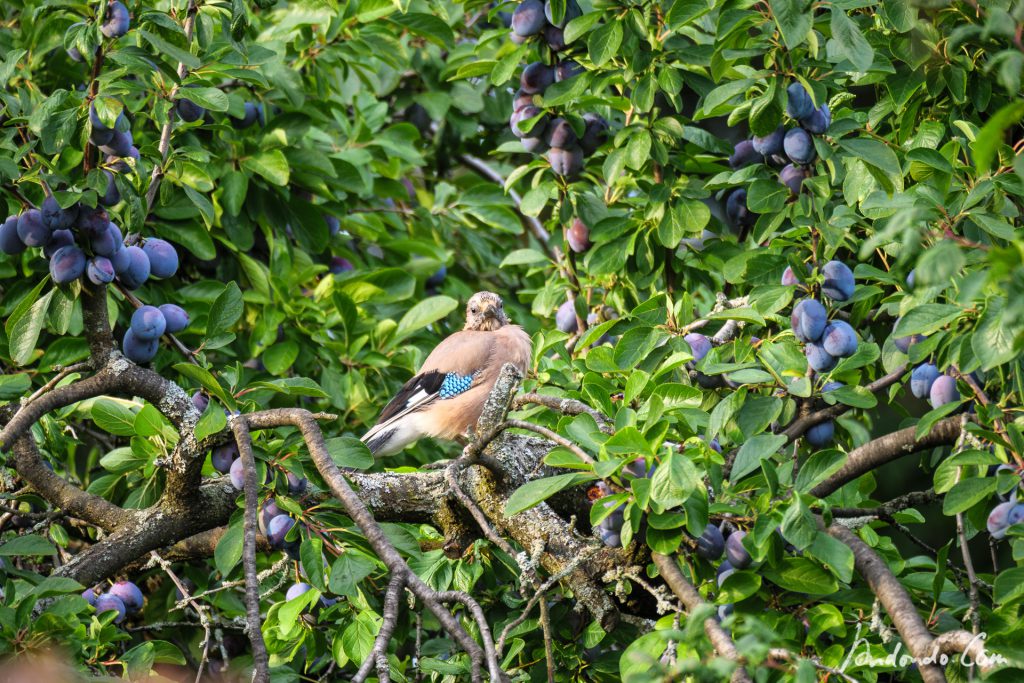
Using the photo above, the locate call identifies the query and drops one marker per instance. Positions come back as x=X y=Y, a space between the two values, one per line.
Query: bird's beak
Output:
x=491 y=312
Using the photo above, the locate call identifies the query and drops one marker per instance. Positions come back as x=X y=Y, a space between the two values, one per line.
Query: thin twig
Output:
x=481 y=519
x=566 y=406
x=549 y=654
x=552 y=436
x=165 y=134
x=204 y=619
x=974 y=609
x=787 y=656
x=64 y=372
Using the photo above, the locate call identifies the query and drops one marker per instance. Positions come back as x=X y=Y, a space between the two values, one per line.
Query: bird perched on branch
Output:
x=445 y=398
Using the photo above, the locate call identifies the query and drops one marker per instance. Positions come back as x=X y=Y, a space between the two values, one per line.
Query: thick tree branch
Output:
x=894 y=599
x=800 y=425
x=887 y=448
x=72 y=500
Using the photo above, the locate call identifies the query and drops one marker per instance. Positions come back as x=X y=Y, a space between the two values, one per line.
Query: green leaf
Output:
x=834 y=554
x=292 y=386
x=877 y=155
x=13 y=386
x=229 y=548
x=798 y=526
x=925 y=319
x=123 y=459
x=767 y=196
x=753 y=451
x=24 y=333
x=164 y=47
x=271 y=164
x=211 y=421
x=226 y=310
x=993 y=340
x=539 y=490
x=580 y=26
x=311 y=553
x=1009 y=586
x=522 y=257
x=347 y=571
x=213 y=99
x=968 y=493
x=148 y=421
x=793 y=19
x=849 y=41
x=853 y=396
x=348 y=451
x=55 y=585
x=30 y=544
x=206 y=379
x=682 y=12
x=766 y=110
x=738 y=586
x=235 y=186
x=801 y=575
x=991 y=135
x=638 y=149
x=674 y=481
x=424 y=313
x=604 y=42
x=938 y=265
x=113 y=416
x=427 y=26
x=635 y=345
x=280 y=357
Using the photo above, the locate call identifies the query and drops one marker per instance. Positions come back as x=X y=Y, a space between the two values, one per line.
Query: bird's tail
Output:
x=377 y=439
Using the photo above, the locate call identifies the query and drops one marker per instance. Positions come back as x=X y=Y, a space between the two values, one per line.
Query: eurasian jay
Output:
x=445 y=398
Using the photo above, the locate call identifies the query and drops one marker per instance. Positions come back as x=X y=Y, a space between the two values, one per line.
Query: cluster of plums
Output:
x=926 y=382
x=82 y=242
x=566 y=145
x=115 y=24
x=123 y=597
x=149 y=323
x=825 y=342
x=117 y=144
x=535 y=18
x=791 y=149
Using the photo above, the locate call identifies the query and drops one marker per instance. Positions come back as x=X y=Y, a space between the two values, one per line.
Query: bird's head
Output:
x=485 y=312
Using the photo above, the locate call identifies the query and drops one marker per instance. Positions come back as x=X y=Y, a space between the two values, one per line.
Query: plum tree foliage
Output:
x=770 y=254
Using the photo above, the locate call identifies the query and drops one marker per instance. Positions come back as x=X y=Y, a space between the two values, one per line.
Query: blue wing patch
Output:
x=455 y=384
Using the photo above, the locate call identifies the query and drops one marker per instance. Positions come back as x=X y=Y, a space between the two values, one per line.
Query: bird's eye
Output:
x=473 y=309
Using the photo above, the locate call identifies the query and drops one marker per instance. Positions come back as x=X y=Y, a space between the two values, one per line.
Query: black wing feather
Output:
x=427 y=382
